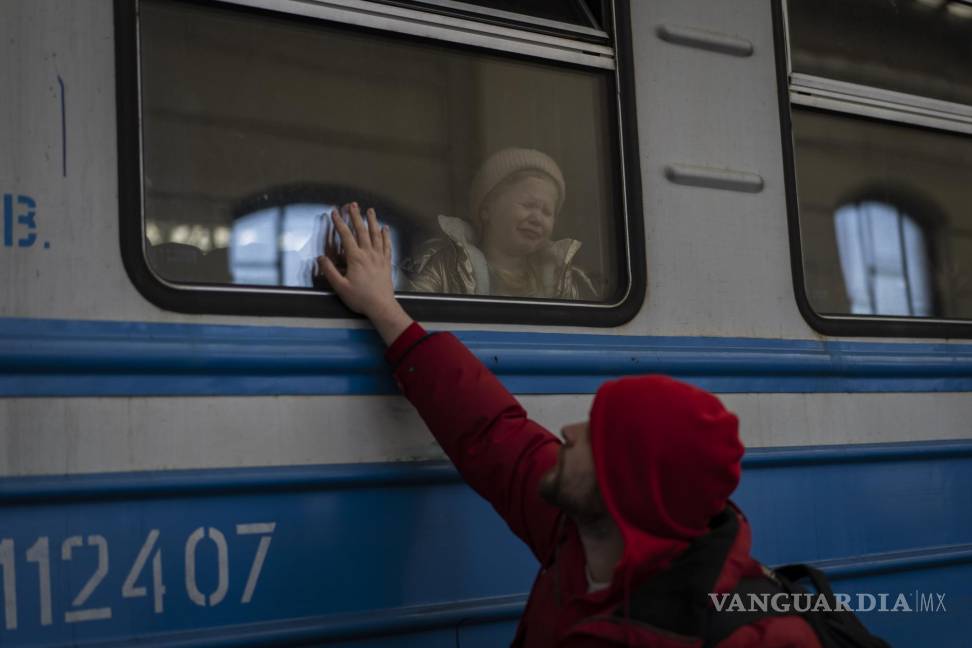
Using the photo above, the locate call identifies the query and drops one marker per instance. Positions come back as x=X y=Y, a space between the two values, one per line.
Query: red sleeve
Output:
x=404 y=343
x=483 y=429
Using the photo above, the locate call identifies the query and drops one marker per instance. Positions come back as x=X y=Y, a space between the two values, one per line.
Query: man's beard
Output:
x=585 y=507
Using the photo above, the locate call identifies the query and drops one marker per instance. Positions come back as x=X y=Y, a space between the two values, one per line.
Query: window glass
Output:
x=587 y=13
x=920 y=47
x=884 y=217
x=496 y=174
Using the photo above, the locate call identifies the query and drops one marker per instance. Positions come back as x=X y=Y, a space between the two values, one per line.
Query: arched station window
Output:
x=884 y=260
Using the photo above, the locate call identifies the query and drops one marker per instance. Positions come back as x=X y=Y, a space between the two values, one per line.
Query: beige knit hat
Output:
x=503 y=164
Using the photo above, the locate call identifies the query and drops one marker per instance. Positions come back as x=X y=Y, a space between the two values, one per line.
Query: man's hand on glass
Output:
x=357 y=265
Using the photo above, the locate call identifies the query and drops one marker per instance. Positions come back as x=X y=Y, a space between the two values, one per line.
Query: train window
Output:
x=500 y=168
x=919 y=47
x=878 y=173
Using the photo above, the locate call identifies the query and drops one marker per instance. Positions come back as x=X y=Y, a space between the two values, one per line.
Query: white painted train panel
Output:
x=91 y=435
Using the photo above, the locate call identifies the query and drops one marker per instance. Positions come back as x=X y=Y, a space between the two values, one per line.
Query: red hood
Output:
x=667 y=457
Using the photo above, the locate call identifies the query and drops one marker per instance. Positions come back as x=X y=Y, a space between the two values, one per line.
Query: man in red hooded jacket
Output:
x=624 y=516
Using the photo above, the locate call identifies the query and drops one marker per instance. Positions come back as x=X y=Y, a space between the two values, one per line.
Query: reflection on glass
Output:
x=255 y=125
x=274 y=247
x=279 y=246
x=885 y=223
x=882 y=255
x=919 y=47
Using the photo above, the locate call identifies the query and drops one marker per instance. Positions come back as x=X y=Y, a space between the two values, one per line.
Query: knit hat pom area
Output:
x=503 y=164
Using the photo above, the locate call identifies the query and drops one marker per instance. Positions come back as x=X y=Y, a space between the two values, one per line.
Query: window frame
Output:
x=855 y=102
x=461 y=8
x=245 y=300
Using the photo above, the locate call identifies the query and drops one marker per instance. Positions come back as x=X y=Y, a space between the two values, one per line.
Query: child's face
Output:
x=520 y=219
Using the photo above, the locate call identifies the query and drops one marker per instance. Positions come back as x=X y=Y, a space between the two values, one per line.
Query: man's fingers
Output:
x=375 y=231
x=386 y=242
x=331 y=273
x=347 y=238
x=364 y=239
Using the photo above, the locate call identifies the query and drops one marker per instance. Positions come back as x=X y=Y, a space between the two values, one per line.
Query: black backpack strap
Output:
x=721 y=624
x=676 y=599
x=835 y=629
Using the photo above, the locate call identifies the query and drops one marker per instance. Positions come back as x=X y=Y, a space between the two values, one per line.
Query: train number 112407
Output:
x=135 y=585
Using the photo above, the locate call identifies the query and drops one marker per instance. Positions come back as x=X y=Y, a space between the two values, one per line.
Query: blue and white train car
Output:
x=200 y=446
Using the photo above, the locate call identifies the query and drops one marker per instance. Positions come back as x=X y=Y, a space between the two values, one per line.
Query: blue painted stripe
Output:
x=510 y=608
x=215 y=481
x=196 y=482
x=378 y=623
x=855 y=453
x=416 y=619
x=402 y=554
x=896 y=561
x=87 y=358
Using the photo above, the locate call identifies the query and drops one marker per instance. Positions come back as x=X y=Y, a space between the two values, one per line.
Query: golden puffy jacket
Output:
x=453 y=264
